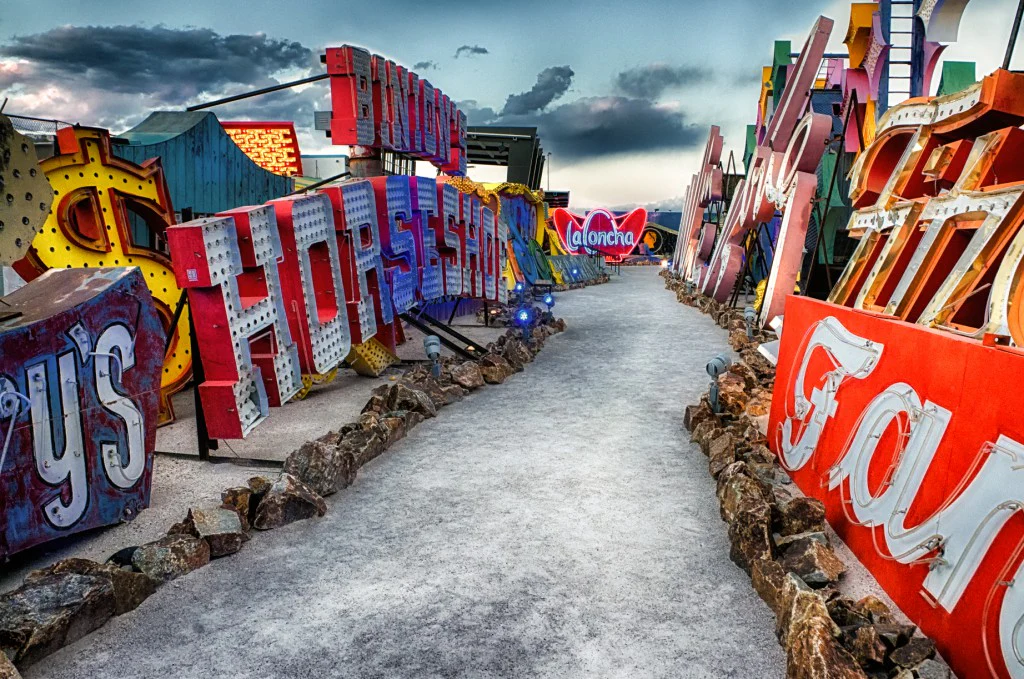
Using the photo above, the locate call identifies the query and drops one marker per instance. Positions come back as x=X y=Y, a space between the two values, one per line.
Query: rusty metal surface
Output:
x=25 y=194
x=79 y=382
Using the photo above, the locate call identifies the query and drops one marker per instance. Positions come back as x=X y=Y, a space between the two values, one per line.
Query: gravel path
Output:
x=561 y=525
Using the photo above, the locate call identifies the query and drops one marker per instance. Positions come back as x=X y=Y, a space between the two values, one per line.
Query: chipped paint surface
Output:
x=81 y=352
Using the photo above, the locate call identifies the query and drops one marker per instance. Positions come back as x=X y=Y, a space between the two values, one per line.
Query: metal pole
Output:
x=1013 y=35
x=322 y=182
x=256 y=93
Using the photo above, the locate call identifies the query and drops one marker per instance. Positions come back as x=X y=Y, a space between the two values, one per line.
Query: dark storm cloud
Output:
x=476 y=114
x=470 y=50
x=167 y=62
x=649 y=82
x=551 y=83
x=605 y=126
x=424 y=65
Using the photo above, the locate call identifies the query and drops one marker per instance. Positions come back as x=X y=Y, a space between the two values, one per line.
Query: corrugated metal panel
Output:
x=205 y=169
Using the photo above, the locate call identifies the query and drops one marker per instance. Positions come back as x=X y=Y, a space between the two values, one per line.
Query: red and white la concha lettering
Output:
x=600 y=232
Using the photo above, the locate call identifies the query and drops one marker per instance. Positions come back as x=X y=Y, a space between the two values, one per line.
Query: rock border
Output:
x=779 y=539
x=60 y=604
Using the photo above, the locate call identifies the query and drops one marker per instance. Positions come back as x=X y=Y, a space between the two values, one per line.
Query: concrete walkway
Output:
x=561 y=525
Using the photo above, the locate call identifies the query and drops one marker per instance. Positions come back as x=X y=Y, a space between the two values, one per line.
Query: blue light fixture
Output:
x=549 y=299
x=523 y=317
x=519 y=287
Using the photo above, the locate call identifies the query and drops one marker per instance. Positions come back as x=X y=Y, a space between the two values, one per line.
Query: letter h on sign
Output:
x=228 y=264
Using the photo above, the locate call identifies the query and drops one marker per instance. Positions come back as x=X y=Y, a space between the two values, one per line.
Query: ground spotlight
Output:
x=549 y=300
x=664 y=264
x=716 y=367
x=432 y=346
x=750 y=316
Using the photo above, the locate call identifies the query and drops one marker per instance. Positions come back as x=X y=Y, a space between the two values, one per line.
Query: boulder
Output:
x=378 y=402
x=221 y=528
x=732 y=394
x=874 y=609
x=392 y=427
x=130 y=588
x=738 y=488
x=171 y=557
x=812 y=650
x=239 y=500
x=894 y=635
x=868 y=648
x=403 y=397
x=769 y=580
x=467 y=375
x=721 y=454
x=784 y=543
x=816 y=564
x=801 y=515
x=913 y=653
x=843 y=610
x=750 y=535
x=368 y=421
x=517 y=354
x=361 y=446
x=743 y=371
x=694 y=415
x=454 y=392
x=287 y=501
x=430 y=386
x=7 y=668
x=760 y=402
x=50 y=612
x=703 y=433
x=319 y=466
x=929 y=669
x=762 y=367
x=412 y=419
x=495 y=369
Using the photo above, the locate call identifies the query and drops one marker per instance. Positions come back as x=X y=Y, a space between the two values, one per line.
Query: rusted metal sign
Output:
x=81 y=352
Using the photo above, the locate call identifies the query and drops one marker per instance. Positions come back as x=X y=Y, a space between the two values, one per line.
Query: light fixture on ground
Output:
x=549 y=300
x=524 y=319
x=750 y=316
x=432 y=345
x=716 y=367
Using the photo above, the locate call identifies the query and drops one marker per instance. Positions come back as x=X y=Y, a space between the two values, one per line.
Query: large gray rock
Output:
x=721 y=454
x=240 y=501
x=467 y=375
x=403 y=397
x=517 y=353
x=913 y=653
x=287 y=501
x=362 y=446
x=130 y=588
x=495 y=369
x=812 y=649
x=50 y=612
x=221 y=528
x=801 y=515
x=816 y=564
x=320 y=466
x=171 y=557
x=7 y=668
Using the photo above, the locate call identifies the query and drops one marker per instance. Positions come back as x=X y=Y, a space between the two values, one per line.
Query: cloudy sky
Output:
x=623 y=93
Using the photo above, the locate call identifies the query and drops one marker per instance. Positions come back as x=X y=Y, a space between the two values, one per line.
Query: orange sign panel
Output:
x=272 y=146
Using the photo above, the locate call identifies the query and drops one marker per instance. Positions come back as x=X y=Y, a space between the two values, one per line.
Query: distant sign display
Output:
x=600 y=232
x=380 y=105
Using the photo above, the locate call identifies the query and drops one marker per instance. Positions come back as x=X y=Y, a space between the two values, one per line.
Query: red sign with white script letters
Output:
x=600 y=232
x=912 y=438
